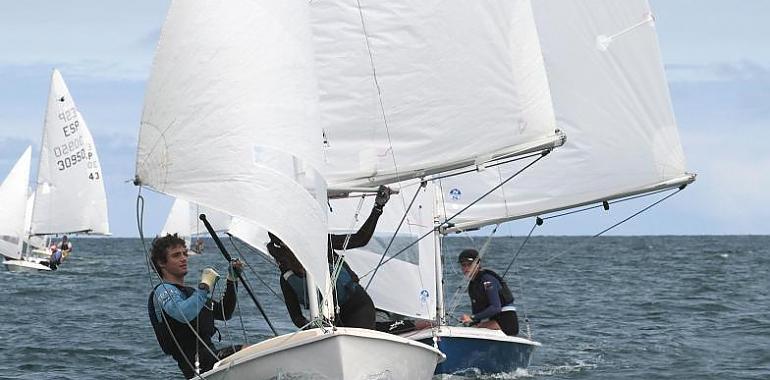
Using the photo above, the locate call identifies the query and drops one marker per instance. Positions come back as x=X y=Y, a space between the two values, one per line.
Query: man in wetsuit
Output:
x=491 y=299
x=179 y=312
x=66 y=246
x=356 y=308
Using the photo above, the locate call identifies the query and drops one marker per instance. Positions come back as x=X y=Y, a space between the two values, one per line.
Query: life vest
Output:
x=204 y=324
x=478 y=294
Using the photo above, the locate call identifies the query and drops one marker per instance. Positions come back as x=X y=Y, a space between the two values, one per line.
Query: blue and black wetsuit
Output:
x=492 y=299
x=171 y=307
x=356 y=307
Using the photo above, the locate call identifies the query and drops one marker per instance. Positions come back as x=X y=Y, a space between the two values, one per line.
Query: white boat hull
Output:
x=344 y=353
x=25 y=266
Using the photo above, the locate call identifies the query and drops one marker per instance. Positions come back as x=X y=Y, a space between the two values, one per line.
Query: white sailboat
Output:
x=14 y=193
x=183 y=220
x=609 y=95
x=69 y=197
x=231 y=122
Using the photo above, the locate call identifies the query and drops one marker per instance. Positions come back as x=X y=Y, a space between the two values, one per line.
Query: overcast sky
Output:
x=716 y=56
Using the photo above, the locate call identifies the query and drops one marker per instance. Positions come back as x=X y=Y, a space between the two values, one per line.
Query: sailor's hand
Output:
x=383 y=195
x=466 y=319
x=235 y=268
x=209 y=278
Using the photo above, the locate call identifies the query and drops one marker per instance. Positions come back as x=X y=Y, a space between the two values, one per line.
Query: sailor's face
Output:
x=469 y=268
x=176 y=261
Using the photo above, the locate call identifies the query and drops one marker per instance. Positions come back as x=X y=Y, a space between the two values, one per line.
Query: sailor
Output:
x=65 y=246
x=178 y=312
x=356 y=308
x=491 y=299
x=55 y=259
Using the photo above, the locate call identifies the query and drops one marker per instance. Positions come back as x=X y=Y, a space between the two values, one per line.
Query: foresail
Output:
x=611 y=98
x=70 y=194
x=231 y=120
x=406 y=284
x=13 y=193
x=411 y=88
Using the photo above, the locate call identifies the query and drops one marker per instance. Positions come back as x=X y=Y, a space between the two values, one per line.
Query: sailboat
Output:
x=183 y=220
x=609 y=95
x=231 y=122
x=69 y=197
x=14 y=192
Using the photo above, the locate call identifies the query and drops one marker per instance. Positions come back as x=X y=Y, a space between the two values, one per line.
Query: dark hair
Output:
x=160 y=246
x=468 y=255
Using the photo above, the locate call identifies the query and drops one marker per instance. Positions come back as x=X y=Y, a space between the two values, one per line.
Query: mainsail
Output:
x=70 y=194
x=409 y=89
x=14 y=192
x=610 y=97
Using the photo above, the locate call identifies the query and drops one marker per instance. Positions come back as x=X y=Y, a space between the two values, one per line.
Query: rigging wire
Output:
x=251 y=268
x=446 y=222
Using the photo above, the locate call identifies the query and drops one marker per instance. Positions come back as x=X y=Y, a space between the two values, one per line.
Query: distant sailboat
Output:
x=69 y=197
x=183 y=220
x=14 y=193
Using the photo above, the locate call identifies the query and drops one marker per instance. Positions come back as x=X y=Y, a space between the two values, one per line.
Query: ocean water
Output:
x=691 y=307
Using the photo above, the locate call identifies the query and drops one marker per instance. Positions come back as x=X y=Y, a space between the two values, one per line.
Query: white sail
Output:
x=611 y=98
x=183 y=220
x=70 y=194
x=414 y=88
x=407 y=284
x=231 y=119
x=13 y=193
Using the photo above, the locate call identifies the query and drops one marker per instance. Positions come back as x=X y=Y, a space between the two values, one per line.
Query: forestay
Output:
x=231 y=119
x=14 y=192
x=610 y=97
x=413 y=88
x=70 y=194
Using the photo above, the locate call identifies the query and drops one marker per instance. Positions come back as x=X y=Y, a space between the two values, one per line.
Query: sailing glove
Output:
x=383 y=195
x=235 y=268
x=209 y=278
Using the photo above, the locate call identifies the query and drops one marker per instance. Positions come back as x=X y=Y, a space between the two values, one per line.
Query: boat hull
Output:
x=25 y=266
x=344 y=353
x=482 y=350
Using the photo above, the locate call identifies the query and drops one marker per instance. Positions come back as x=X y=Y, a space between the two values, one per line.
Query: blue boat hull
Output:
x=486 y=355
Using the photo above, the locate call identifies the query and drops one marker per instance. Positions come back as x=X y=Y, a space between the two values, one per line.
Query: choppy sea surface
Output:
x=651 y=307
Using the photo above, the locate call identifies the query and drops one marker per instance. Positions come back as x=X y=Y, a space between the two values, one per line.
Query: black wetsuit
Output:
x=176 y=310
x=492 y=299
x=356 y=307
